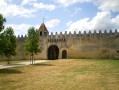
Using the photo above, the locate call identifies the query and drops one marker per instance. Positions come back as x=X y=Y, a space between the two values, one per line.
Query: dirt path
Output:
x=21 y=64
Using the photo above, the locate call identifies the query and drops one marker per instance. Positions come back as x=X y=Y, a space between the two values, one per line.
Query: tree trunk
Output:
x=34 y=61
x=32 y=58
x=8 y=59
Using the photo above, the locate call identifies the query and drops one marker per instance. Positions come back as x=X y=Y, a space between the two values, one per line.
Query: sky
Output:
x=61 y=15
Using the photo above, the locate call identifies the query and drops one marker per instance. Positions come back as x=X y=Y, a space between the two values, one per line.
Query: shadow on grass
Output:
x=42 y=64
x=9 y=71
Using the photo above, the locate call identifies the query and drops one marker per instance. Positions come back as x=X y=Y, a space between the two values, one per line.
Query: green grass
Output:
x=73 y=74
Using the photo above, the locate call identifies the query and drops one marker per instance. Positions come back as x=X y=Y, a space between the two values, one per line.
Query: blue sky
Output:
x=61 y=15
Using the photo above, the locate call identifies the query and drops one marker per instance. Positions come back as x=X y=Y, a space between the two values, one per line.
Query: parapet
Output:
x=22 y=37
x=85 y=34
x=94 y=33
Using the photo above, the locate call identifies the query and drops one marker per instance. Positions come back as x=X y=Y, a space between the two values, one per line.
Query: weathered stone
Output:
x=85 y=45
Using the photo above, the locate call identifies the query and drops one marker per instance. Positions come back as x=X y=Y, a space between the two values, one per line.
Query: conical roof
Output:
x=43 y=28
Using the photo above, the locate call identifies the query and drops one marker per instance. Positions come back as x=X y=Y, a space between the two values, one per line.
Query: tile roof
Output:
x=43 y=28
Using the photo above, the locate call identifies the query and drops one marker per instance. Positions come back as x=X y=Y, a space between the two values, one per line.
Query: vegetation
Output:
x=32 y=43
x=77 y=74
x=2 y=21
x=9 y=41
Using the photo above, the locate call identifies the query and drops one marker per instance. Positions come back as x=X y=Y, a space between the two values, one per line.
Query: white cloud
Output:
x=102 y=21
x=115 y=21
x=107 y=5
x=104 y=5
x=44 y=6
x=8 y=9
x=69 y=2
x=19 y=29
x=24 y=2
x=69 y=23
x=76 y=11
x=79 y=25
x=52 y=23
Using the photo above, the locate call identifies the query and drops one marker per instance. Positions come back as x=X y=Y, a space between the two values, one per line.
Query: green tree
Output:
x=2 y=43
x=9 y=42
x=32 y=43
x=2 y=21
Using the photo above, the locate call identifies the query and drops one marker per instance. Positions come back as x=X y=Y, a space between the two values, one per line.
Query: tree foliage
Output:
x=2 y=43
x=2 y=21
x=9 y=41
x=32 y=43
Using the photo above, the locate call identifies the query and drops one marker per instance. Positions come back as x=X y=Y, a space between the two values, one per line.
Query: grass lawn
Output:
x=72 y=74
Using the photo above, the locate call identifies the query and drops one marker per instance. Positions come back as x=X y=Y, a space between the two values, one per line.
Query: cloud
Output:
x=19 y=29
x=69 y=23
x=104 y=5
x=115 y=21
x=44 y=6
x=70 y=2
x=8 y=9
x=102 y=21
x=24 y=2
x=76 y=11
x=107 y=5
x=52 y=23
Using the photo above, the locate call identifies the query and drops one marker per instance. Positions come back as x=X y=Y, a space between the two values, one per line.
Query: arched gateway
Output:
x=53 y=52
x=64 y=54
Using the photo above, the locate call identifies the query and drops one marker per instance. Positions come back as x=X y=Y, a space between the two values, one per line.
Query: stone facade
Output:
x=86 y=45
x=67 y=45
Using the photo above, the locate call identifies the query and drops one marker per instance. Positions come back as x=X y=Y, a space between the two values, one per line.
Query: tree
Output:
x=2 y=43
x=2 y=21
x=32 y=43
x=9 y=42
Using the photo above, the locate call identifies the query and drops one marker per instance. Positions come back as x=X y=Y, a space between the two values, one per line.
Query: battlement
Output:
x=86 y=32
x=62 y=36
x=21 y=38
x=81 y=34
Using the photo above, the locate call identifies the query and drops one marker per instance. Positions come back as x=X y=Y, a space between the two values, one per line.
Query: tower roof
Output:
x=43 y=28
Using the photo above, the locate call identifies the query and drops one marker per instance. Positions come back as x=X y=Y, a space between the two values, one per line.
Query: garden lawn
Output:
x=67 y=74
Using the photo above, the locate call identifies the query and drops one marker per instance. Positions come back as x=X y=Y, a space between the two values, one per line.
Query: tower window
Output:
x=117 y=51
x=40 y=33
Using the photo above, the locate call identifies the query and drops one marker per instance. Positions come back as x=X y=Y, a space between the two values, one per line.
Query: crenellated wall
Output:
x=87 y=45
x=77 y=45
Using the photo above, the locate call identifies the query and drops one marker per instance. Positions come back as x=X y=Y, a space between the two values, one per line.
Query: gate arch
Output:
x=53 y=52
x=64 y=54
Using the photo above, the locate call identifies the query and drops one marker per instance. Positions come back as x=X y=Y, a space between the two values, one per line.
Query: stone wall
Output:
x=82 y=45
x=87 y=45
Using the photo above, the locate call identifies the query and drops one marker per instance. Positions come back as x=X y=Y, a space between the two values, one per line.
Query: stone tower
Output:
x=43 y=30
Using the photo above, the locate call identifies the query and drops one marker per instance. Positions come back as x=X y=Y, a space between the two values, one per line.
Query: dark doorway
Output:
x=53 y=52
x=64 y=54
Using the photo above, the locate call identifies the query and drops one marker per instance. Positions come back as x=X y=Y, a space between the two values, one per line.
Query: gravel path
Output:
x=21 y=64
